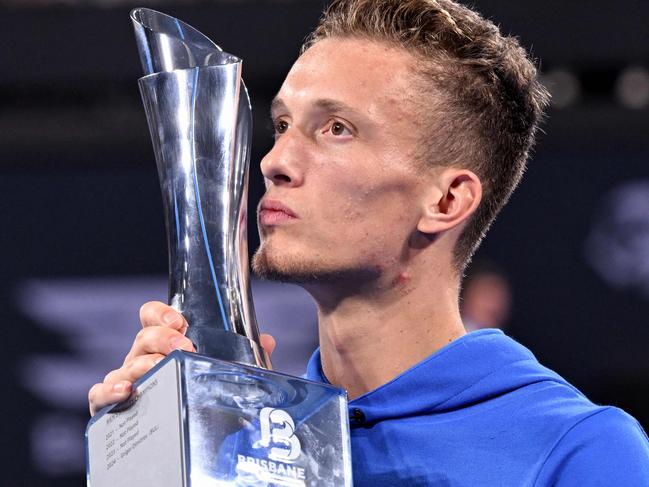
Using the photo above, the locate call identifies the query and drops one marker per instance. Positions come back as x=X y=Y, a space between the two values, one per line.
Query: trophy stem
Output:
x=173 y=293
x=200 y=122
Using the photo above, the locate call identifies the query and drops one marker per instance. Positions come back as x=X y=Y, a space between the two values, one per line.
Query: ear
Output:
x=451 y=202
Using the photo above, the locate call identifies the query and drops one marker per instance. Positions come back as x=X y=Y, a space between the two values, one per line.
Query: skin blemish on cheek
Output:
x=402 y=279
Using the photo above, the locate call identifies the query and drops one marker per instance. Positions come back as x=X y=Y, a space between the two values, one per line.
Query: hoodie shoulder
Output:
x=606 y=447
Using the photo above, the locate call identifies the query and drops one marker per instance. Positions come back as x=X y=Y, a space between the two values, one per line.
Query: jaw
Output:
x=310 y=269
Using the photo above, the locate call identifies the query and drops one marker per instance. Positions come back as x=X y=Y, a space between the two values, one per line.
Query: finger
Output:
x=268 y=343
x=160 y=340
x=155 y=313
x=104 y=394
x=134 y=369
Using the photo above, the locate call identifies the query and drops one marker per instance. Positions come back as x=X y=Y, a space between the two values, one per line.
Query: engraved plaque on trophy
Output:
x=218 y=417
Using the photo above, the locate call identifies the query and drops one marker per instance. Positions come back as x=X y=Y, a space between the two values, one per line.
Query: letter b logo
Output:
x=278 y=429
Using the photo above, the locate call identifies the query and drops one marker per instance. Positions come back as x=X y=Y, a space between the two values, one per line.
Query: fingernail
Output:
x=169 y=317
x=182 y=343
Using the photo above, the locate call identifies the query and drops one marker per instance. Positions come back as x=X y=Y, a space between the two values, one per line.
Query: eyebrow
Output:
x=276 y=105
x=325 y=104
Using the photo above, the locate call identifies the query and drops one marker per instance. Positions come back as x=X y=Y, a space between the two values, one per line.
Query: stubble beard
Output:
x=304 y=270
x=279 y=268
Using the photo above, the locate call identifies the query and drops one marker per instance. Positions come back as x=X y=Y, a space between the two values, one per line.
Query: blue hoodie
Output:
x=483 y=412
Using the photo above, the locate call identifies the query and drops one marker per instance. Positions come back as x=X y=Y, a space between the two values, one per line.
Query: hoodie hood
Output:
x=473 y=369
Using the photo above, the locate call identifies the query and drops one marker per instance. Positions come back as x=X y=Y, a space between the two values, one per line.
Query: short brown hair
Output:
x=492 y=100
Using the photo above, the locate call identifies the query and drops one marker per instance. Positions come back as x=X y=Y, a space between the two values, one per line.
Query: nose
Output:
x=281 y=166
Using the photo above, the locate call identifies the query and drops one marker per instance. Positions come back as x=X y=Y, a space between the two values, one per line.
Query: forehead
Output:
x=368 y=75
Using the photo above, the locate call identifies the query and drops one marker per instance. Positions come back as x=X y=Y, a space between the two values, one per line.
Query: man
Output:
x=401 y=131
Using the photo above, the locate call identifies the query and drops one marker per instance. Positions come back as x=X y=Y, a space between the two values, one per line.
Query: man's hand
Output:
x=163 y=330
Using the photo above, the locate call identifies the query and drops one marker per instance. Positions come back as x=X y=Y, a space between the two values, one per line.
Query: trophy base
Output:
x=196 y=421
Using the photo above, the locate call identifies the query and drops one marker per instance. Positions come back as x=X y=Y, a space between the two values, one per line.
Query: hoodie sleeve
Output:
x=606 y=448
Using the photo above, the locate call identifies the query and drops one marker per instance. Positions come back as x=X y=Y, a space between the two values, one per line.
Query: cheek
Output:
x=364 y=200
x=371 y=222
x=350 y=206
x=374 y=204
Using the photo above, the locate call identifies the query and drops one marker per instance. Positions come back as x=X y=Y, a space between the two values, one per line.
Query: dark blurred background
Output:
x=83 y=241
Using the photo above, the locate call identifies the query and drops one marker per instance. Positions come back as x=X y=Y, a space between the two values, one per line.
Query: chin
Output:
x=302 y=269
x=275 y=266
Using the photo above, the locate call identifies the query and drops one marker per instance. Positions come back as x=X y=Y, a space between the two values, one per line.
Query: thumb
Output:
x=268 y=342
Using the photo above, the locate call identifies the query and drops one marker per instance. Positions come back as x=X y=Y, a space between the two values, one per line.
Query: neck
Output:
x=368 y=337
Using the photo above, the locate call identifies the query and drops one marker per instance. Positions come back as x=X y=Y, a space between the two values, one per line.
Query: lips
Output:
x=274 y=212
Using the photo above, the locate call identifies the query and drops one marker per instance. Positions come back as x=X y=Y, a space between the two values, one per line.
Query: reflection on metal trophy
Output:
x=218 y=417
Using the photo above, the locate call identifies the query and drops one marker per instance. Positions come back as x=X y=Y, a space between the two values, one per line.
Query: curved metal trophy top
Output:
x=167 y=44
x=200 y=122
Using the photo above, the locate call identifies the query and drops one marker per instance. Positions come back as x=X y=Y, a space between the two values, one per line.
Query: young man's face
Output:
x=343 y=187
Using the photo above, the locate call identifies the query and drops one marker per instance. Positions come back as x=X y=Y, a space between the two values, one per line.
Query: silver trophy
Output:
x=218 y=417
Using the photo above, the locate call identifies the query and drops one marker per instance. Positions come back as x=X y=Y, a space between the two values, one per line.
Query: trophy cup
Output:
x=218 y=417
